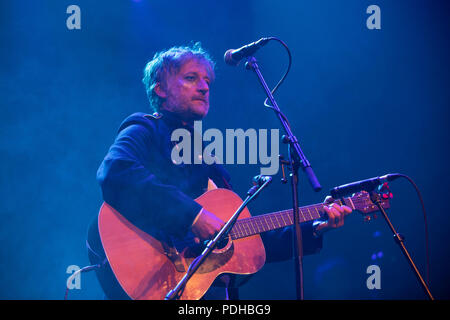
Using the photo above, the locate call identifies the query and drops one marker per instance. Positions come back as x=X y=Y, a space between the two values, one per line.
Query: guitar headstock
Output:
x=363 y=203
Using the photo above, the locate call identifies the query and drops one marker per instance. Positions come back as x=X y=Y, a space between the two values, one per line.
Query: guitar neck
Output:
x=276 y=220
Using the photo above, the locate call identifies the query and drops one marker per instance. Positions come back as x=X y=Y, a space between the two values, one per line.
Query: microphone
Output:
x=259 y=180
x=366 y=185
x=233 y=56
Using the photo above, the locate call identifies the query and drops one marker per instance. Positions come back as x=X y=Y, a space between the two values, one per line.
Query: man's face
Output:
x=186 y=93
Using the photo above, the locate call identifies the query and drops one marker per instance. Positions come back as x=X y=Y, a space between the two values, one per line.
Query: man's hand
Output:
x=336 y=215
x=206 y=225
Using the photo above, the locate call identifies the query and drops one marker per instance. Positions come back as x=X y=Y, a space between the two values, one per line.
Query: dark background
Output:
x=362 y=103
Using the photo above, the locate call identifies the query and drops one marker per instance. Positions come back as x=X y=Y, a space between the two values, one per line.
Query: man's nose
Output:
x=203 y=87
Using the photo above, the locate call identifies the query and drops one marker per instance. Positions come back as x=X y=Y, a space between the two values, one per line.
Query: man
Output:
x=139 y=179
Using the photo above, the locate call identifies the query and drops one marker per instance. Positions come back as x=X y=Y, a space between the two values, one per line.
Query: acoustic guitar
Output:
x=147 y=268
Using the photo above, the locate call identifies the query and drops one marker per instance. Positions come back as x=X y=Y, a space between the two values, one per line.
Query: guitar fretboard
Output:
x=276 y=220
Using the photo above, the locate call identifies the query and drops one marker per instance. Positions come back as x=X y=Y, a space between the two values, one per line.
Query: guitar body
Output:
x=148 y=269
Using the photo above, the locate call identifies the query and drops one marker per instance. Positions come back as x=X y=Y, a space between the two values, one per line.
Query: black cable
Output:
x=282 y=78
x=426 y=227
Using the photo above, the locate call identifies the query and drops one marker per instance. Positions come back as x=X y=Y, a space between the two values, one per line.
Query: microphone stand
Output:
x=298 y=160
x=399 y=239
x=223 y=233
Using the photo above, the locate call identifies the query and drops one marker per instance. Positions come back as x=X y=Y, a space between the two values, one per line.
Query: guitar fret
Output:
x=306 y=210
x=277 y=225
x=278 y=221
x=282 y=218
x=257 y=225
x=286 y=216
x=317 y=211
x=247 y=229
x=303 y=216
x=271 y=220
x=267 y=219
x=241 y=230
x=261 y=223
x=234 y=231
x=244 y=230
x=351 y=203
x=265 y=222
x=238 y=228
x=300 y=215
x=290 y=218
x=310 y=213
x=233 y=234
x=263 y=226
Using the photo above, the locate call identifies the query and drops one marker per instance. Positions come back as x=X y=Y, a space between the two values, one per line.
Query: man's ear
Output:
x=160 y=92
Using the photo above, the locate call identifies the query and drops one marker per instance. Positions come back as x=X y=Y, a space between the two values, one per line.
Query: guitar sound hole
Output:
x=195 y=250
x=223 y=245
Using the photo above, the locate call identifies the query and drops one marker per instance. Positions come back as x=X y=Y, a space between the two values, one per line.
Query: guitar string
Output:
x=245 y=223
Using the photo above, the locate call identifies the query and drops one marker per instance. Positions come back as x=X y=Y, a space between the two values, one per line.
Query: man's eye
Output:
x=190 y=78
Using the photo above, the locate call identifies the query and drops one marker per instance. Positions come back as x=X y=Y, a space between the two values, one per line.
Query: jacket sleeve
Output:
x=279 y=243
x=135 y=190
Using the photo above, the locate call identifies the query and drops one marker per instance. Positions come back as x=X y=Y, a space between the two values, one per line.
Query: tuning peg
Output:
x=386 y=191
x=387 y=196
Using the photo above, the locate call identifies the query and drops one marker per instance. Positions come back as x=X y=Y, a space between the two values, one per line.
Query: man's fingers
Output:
x=335 y=215
x=339 y=208
x=347 y=210
x=342 y=209
x=332 y=216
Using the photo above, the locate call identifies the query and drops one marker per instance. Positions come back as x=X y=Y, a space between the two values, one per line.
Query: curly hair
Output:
x=170 y=61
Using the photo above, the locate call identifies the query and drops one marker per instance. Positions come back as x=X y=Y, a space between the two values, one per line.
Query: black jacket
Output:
x=139 y=179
